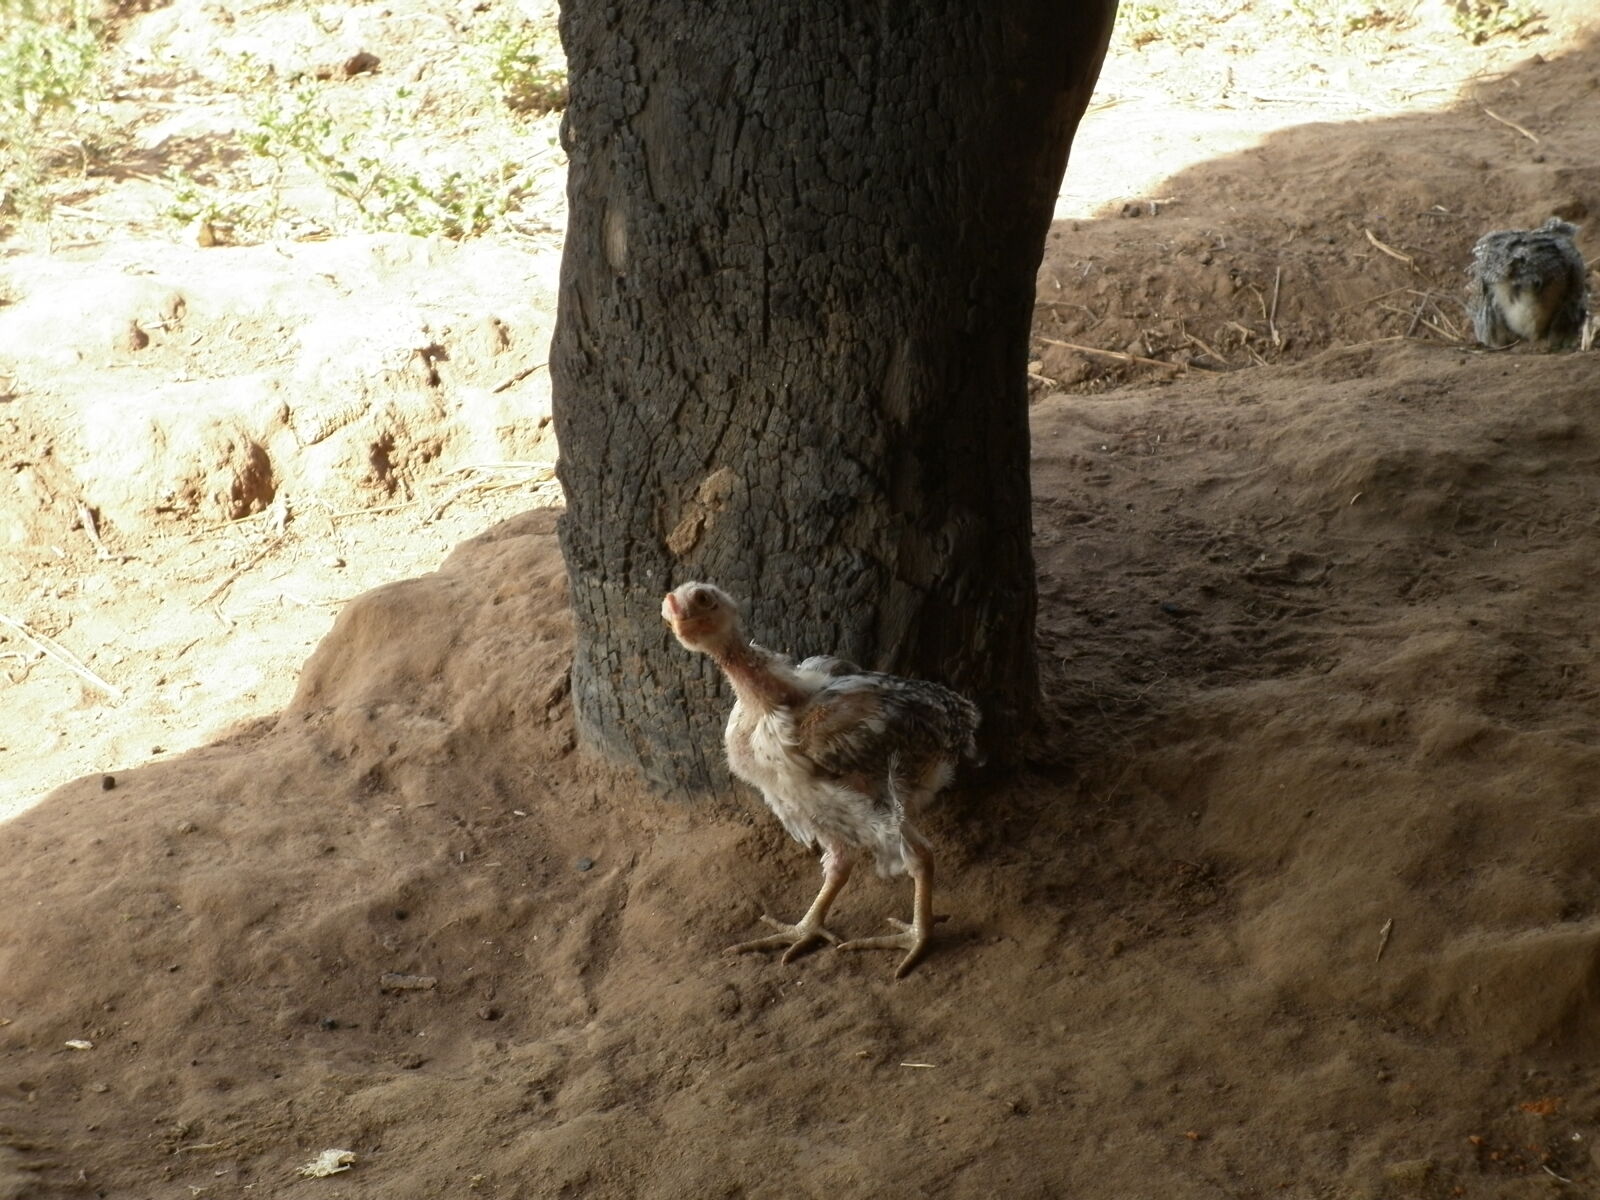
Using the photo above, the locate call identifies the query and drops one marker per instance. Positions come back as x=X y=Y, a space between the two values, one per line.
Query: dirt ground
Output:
x=1300 y=897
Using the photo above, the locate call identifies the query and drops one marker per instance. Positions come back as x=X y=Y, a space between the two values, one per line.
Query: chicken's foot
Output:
x=799 y=937
x=912 y=938
x=809 y=929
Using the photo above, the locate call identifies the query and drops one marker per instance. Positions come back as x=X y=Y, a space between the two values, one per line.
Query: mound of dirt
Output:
x=1358 y=229
x=1405 y=549
x=1312 y=910
x=1296 y=899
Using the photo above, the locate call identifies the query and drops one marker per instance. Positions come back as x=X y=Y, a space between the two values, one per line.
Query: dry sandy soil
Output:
x=1300 y=897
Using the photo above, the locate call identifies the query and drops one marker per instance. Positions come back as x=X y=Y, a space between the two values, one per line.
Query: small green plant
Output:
x=1147 y=21
x=517 y=68
x=1480 y=20
x=49 y=58
x=1337 y=19
x=368 y=172
x=195 y=203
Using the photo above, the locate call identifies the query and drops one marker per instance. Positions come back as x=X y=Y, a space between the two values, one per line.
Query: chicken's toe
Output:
x=799 y=938
x=912 y=938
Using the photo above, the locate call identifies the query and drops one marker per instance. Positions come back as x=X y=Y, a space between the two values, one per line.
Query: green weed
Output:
x=1145 y=21
x=49 y=59
x=367 y=170
x=518 y=68
x=194 y=202
x=1334 y=20
x=1480 y=20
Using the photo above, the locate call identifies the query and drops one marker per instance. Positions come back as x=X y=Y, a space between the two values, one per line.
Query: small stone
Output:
x=131 y=338
x=107 y=782
x=361 y=63
x=489 y=1014
x=187 y=827
x=329 y=1162
x=327 y=1023
x=334 y=561
x=1412 y=1173
x=585 y=864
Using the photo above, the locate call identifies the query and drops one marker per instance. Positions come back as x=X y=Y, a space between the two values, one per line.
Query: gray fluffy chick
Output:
x=1529 y=285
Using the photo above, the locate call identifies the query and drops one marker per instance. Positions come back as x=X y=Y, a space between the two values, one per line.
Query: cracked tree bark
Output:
x=791 y=349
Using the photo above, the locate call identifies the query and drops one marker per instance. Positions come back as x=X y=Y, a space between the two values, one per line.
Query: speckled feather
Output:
x=1529 y=285
x=841 y=755
x=850 y=755
x=867 y=723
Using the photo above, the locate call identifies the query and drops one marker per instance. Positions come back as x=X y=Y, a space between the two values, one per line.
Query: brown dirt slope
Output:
x=1316 y=654
x=1298 y=899
x=1326 y=233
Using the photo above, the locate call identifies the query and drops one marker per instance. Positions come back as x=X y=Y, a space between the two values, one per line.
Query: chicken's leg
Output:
x=912 y=938
x=808 y=930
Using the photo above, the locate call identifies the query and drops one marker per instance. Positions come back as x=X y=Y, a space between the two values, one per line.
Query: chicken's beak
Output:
x=669 y=608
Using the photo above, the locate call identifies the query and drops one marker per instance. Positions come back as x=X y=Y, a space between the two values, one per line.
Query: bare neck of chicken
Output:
x=757 y=680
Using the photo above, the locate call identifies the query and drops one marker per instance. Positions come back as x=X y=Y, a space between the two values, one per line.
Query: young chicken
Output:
x=1529 y=285
x=841 y=755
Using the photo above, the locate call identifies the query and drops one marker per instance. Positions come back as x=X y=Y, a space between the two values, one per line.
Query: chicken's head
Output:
x=702 y=616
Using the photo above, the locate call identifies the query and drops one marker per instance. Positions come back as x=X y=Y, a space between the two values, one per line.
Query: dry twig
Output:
x=1206 y=349
x=1388 y=927
x=1450 y=330
x=1390 y=250
x=1416 y=317
x=374 y=510
x=86 y=519
x=233 y=576
x=1272 y=314
x=1118 y=355
x=519 y=376
x=1442 y=332
x=1489 y=112
x=1066 y=304
x=537 y=472
x=235 y=523
x=63 y=656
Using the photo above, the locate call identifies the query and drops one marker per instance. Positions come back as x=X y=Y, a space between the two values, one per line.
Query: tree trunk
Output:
x=791 y=350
